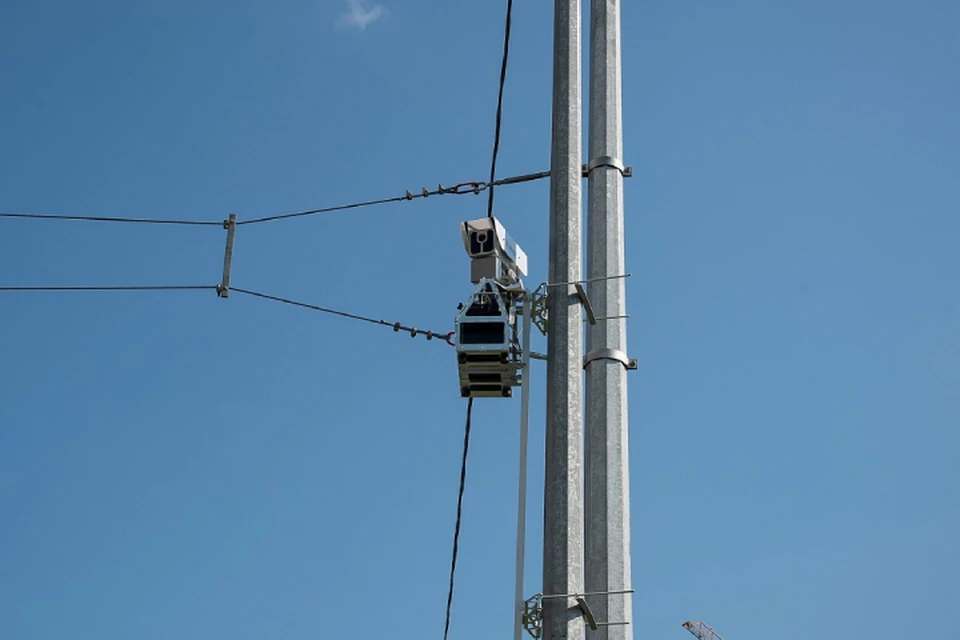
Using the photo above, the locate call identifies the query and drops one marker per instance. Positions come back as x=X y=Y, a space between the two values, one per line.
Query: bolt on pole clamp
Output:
x=610 y=354
x=608 y=161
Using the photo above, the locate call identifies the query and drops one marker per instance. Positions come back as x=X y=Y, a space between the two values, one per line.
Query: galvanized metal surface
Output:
x=520 y=601
x=607 y=483
x=604 y=353
x=563 y=491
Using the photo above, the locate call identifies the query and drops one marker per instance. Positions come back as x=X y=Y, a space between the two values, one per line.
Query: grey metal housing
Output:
x=488 y=342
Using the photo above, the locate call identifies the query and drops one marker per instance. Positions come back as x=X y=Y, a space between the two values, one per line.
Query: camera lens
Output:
x=481 y=243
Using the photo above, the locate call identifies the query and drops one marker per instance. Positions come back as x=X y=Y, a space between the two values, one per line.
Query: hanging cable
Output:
x=396 y=326
x=148 y=287
x=50 y=216
x=503 y=79
x=456 y=527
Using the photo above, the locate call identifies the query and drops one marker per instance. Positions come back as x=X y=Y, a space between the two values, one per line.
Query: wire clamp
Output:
x=468 y=187
x=610 y=354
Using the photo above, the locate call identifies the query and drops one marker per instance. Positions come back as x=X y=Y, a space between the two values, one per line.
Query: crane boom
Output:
x=701 y=630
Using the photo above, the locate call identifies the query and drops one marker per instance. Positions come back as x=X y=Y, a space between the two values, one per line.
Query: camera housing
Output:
x=493 y=253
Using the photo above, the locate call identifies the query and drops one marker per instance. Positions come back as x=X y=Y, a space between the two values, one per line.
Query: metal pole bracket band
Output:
x=610 y=354
x=608 y=161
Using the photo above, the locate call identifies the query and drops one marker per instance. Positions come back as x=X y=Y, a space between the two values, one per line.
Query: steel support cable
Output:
x=342 y=207
x=499 y=118
x=52 y=216
x=446 y=337
x=396 y=326
x=456 y=527
x=148 y=287
x=460 y=189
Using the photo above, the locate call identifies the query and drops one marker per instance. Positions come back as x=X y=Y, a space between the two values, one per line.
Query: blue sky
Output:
x=173 y=465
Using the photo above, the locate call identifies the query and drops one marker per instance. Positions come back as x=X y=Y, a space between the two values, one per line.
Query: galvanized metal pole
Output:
x=563 y=482
x=607 y=478
x=522 y=479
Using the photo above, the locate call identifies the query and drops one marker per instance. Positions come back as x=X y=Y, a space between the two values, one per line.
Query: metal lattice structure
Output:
x=533 y=616
x=701 y=630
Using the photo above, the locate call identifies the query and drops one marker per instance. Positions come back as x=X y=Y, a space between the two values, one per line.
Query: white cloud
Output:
x=358 y=17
